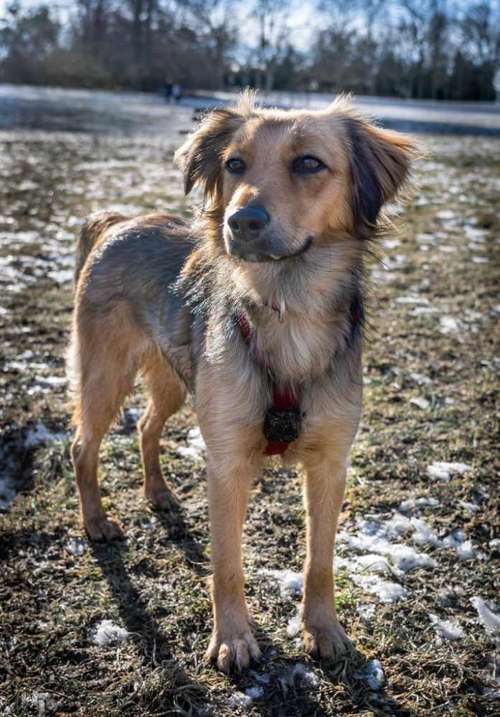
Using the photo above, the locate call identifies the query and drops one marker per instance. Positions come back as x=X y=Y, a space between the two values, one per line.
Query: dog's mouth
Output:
x=253 y=254
x=302 y=250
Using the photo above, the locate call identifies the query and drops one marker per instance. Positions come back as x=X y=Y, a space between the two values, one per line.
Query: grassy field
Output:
x=430 y=378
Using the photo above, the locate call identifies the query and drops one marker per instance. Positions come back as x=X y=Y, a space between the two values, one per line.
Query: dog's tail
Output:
x=91 y=231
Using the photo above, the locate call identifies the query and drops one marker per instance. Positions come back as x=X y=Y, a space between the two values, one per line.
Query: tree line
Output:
x=441 y=49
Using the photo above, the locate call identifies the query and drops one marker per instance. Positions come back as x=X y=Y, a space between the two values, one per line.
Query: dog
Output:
x=256 y=309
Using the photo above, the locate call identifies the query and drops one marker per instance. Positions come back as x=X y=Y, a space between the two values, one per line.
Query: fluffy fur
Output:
x=159 y=296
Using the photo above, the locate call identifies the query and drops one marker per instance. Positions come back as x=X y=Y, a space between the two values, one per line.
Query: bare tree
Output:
x=271 y=17
x=410 y=48
x=215 y=21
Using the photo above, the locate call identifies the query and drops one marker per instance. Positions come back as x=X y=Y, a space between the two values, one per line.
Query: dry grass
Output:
x=154 y=585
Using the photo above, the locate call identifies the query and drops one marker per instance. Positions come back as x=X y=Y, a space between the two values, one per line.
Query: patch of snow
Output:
x=43 y=702
x=447 y=629
x=372 y=674
x=108 y=633
x=76 y=546
x=423 y=533
x=374 y=537
x=465 y=551
x=420 y=402
x=420 y=379
x=255 y=693
x=397 y=525
x=412 y=300
x=293 y=625
x=381 y=558
x=491 y=693
x=442 y=470
x=366 y=612
x=239 y=700
x=488 y=617
x=405 y=558
x=370 y=563
x=385 y=590
x=22 y=366
x=446 y=214
x=425 y=238
x=413 y=503
x=423 y=310
x=480 y=260
x=475 y=234
x=196 y=446
x=291 y=584
x=449 y=325
x=41 y=434
x=301 y=674
x=131 y=416
x=364 y=543
x=471 y=315
x=471 y=507
x=395 y=262
x=61 y=276
x=456 y=540
x=52 y=381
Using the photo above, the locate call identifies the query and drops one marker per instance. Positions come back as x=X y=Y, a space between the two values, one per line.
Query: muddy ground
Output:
x=419 y=534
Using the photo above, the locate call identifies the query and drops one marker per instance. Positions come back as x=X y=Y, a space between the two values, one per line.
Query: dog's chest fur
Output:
x=295 y=345
x=302 y=318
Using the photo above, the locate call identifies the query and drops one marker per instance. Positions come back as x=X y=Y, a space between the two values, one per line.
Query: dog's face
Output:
x=284 y=183
x=278 y=183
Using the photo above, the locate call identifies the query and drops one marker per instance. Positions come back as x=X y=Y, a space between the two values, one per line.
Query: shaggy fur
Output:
x=161 y=297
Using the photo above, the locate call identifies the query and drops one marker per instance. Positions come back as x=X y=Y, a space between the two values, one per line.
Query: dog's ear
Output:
x=200 y=157
x=380 y=165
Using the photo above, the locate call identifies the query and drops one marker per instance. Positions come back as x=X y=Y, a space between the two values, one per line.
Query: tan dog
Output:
x=258 y=311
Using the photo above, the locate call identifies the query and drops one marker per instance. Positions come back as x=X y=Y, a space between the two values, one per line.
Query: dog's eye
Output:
x=307 y=165
x=235 y=166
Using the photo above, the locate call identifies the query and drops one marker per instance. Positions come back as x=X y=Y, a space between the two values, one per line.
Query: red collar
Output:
x=284 y=395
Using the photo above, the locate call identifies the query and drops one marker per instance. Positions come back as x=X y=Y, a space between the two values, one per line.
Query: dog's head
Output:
x=278 y=182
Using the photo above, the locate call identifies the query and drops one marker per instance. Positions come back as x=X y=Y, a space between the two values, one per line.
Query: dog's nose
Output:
x=248 y=223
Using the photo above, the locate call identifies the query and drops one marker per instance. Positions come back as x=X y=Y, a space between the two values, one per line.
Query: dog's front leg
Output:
x=232 y=643
x=324 y=491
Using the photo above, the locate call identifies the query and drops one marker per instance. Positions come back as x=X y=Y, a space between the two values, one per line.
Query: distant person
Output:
x=168 y=87
x=177 y=92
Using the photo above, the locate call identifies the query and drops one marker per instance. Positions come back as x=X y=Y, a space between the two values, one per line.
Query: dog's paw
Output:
x=103 y=529
x=230 y=651
x=327 y=640
x=162 y=498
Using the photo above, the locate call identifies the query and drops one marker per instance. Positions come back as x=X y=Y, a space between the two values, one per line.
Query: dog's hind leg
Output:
x=104 y=366
x=166 y=396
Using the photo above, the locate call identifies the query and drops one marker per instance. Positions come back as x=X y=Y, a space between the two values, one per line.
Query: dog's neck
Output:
x=301 y=311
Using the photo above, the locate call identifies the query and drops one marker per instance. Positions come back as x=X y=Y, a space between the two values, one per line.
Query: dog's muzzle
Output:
x=249 y=237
